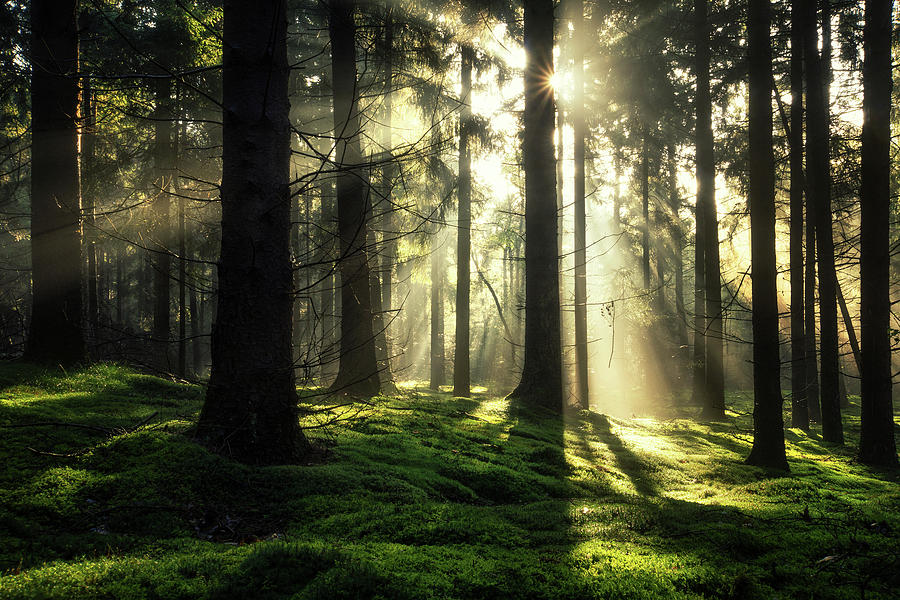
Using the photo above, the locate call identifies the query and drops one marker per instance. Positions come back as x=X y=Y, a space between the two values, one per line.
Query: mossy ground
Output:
x=424 y=496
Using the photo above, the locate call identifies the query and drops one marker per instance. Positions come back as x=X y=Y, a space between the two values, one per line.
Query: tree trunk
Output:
x=55 y=334
x=388 y=171
x=461 y=376
x=579 y=126
x=645 y=208
x=161 y=204
x=437 y=313
x=819 y=192
x=251 y=401
x=541 y=382
x=678 y=257
x=799 y=407
x=876 y=442
x=768 y=422
x=358 y=368
x=714 y=388
x=89 y=241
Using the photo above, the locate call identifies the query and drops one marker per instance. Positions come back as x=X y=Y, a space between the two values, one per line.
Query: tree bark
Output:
x=714 y=388
x=768 y=422
x=55 y=334
x=799 y=406
x=162 y=234
x=579 y=126
x=250 y=408
x=357 y=369
x=819 y=192
x=876 y=443
x=645 y=208
x=541 y=382
x=461 y=375
x=437 y=313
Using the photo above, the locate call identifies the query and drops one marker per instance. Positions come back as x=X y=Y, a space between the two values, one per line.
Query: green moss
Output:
x=424 y=496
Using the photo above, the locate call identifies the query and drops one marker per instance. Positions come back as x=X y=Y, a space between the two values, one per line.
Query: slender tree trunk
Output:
x=196 y=332
x=55 y=334
x=876 y=443
x=541 y=382
x=251 y=401
x=678 y=257
x=645 y=208
x=388 y=171
x=461 y=376
x=799 y=407
x=437 y=313
x=714 y=389
x=579 y=125
x=819 y=191
x=182 y=288
x=357 y=369
x=768 y=422
x=809 y=316
x=89 y=241
x=327 y=296
x=120 y=285
x=162 y=258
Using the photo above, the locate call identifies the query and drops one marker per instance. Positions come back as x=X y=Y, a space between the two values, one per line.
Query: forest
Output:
x=464 y=299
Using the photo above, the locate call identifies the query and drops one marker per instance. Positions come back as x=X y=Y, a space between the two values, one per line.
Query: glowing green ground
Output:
x=427 y=496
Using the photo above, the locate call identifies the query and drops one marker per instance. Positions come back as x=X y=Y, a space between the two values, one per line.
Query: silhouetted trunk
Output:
x=326 y=294
x=677 y=234
x=251 y=401
x=162 y=258
x=876 y=442
x=645 y=209
x=579 y=126
x=389 y=235
x=120 y=284
x=89 y=241
x=437 y=313
x=768 y=422
x=461 y=377
x=819 y=194
x=541 y=382
x=357 y=369
x=799 y=408
x=196 y=332
x=182 y=288
x=55 y=334
x=714 y=393
x=703 y=164
x=809 y=316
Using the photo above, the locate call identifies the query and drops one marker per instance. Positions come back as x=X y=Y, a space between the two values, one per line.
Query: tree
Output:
x=819 y=194
x=799 y=408
x=55 y=334
x=713 y=397
x=541 y=382
x=461 y=375
x=358 y=368
x=250 y=408
x=580 y=130
x=876 y=442
x=768 y=422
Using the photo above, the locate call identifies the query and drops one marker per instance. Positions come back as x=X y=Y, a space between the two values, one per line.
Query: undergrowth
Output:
x=422 y=495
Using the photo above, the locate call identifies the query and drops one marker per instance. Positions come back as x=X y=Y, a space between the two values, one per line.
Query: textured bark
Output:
x=541 y=382
x=357 y=369
x=55 y=334
x=461 y=375
x=819 y=194
x=799 y=408
x=250 y=409
x=876 y=444
x=714 y=389
x=768 y=422
x=579 y=126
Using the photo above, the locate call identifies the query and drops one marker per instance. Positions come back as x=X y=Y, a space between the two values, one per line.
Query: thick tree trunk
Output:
x=819 y=193
x=250 y=409
x=541 y=382
x=768 y=422
x=714 y=389
x=876 y=443
x=579 y=126
x=358 y=368
x=799 y=407
x=55 y=334
x=461 y=376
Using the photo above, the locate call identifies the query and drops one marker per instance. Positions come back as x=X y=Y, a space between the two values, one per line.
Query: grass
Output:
x=424 y=496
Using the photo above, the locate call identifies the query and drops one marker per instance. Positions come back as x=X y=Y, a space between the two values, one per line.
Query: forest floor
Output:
x=423 y=495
